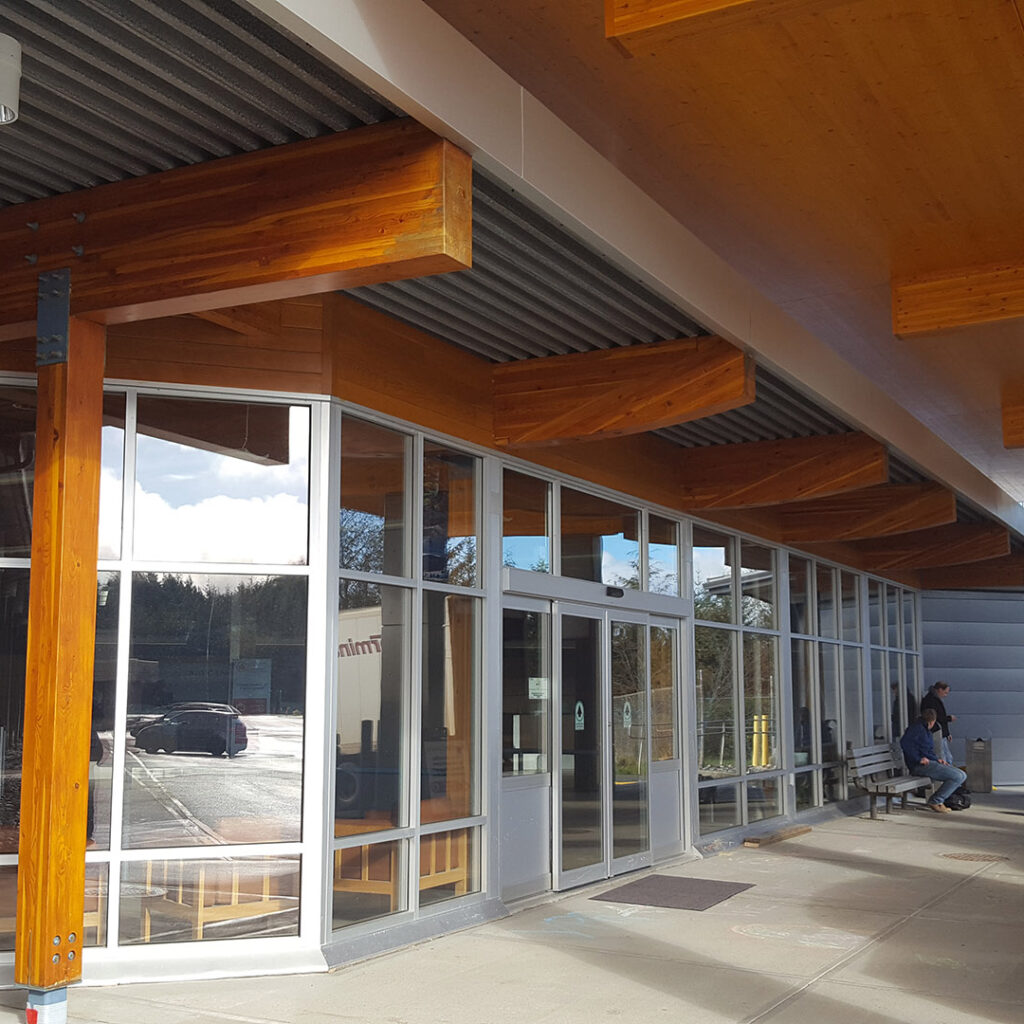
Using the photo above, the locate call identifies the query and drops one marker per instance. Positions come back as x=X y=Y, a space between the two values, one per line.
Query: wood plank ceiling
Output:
x=858 y=160
x=749 y=173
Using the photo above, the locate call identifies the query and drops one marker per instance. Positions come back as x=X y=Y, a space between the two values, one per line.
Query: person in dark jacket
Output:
x=934 y=698
x=919 y=753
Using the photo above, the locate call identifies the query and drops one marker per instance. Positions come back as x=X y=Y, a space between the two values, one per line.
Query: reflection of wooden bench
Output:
x=201 y=893
x=94 y=916
x=444 y=860
x=877 y=771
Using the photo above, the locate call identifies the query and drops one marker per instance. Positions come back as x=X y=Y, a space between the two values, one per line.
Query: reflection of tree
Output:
x=713 y=656
x=192 y=630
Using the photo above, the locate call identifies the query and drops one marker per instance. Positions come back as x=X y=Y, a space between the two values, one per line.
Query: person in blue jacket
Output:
x=919 y=753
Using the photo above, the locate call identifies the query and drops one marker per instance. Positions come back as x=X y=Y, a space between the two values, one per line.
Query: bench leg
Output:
x=874 y=806
x=888 y=803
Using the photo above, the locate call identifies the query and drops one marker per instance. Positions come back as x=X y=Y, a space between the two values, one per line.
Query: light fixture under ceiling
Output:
x=10 y=78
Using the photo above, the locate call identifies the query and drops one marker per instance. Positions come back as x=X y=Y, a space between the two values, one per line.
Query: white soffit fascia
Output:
x=415 y=59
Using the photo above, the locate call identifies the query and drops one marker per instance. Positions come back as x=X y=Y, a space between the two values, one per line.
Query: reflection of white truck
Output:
x=359 y=666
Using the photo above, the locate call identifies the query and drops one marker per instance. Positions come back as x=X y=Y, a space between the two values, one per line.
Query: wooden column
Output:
x=58 y=683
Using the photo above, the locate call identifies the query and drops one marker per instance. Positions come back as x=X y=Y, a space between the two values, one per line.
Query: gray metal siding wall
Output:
x=975 y=642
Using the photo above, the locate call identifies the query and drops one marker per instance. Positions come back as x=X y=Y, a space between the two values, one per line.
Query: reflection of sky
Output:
x=525 y=552
x=709 y=563
x=183 y=475
x=192 y=504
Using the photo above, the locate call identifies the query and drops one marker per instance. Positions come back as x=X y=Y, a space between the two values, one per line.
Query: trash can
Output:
x=979 y=765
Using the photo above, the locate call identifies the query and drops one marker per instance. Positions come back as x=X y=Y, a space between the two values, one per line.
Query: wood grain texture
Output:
x=1013 y=417
x=612 y=392
x=962 y=299
x=993 y=572
x=871 y=512
x=59 y=669
x=929 y=549
x=373 y=204
x=196 y=350
x=654 y=19
x=774 y=472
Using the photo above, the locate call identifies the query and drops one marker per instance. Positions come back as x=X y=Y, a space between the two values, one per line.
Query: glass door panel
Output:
x=630 y=753
x=581 y=840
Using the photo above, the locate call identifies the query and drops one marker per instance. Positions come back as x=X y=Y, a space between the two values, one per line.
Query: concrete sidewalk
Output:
x=915 y=917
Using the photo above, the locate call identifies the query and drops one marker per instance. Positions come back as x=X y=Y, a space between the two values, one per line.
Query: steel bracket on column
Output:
x=53 y=313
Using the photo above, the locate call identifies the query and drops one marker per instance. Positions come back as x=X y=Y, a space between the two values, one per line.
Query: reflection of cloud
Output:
x=709 y=563
x=616 y=570
x=110 y=512
x=222 y=529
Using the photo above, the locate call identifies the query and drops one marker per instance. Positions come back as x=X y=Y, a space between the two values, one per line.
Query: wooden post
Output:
x=58 y=683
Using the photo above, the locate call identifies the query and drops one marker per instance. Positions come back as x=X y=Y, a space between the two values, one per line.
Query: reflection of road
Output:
x=186 y=799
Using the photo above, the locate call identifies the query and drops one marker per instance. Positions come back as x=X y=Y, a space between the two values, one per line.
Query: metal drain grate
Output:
x=973 y=856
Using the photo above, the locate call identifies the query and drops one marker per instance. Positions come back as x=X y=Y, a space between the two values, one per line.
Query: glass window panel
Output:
x=217 y=666
x=8 y=904
x=806 y=791
x=764 y=799
x=712 y=575
x=876 y=612
x=833 y=788
x=221 y=481
x=526 y=692
x=663 y=555
x=719 y=808
x=17 y=469
x=448 y=865
x=909 y=620
x=828 y=701
x=450 y=706
x=373 y=674
x=826 y=601
x=207 y=899
x=526 y=529
x=800 y=606
x=802 y=652
x=757 y=585
x=894 y=633
x=111 y=476
x=760 y=701
x=368 y=882
x=101 y=752
x=629 y=739
x=13 y=639
x=600 y=540
x=716 y=702
x=664 y=706
x=885 y=716
x=582 y=731
x=94 y=920
x=450 y=483
x=853 y=701
x=912 y=682
x=373 y=517
x=850 y=586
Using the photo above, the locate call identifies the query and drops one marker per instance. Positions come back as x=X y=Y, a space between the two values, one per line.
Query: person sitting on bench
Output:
x=919 y=753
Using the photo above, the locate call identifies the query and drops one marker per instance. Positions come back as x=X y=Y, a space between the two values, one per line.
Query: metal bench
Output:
x=881 y=771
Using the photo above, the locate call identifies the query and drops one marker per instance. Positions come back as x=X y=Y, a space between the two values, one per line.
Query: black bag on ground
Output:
x=959 y=799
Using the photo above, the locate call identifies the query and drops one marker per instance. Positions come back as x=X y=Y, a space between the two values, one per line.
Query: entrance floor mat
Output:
x=672 y=891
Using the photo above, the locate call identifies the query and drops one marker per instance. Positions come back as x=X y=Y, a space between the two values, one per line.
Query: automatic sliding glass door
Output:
x=603 y=757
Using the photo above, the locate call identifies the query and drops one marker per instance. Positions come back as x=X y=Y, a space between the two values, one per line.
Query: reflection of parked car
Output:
x=215 y=731
x=137 y=722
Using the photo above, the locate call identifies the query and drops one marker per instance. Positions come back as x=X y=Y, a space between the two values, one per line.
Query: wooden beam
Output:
x=974 y=295
x=774 y=472
x=256 y=320
x=942 y=546
x=59 y=666
x=1013 y=417
x=613 y=392
x=627 y=18
x=373 y=204
x=871 y=512
x=994 y=572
